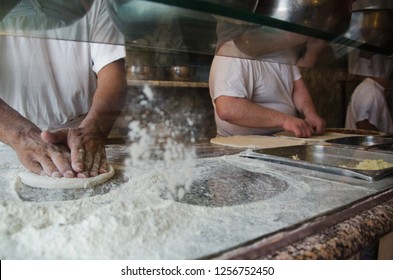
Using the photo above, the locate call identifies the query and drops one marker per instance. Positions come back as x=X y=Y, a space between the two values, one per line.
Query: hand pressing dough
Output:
x=46 y=182
x=256 y=141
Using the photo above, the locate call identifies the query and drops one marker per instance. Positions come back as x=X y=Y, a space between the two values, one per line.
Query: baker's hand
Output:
x=87 y=146
x=317 y=123
x=43 y=158
x=298 y=127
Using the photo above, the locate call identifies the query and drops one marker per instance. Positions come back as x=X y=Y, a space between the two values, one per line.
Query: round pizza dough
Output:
x=255 y=141
x=314 y=138
x=46 y=182
x=358 y=132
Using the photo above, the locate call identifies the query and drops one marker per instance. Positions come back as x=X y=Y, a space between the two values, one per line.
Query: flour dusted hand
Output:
x=87 y=147
x=35 y=154
x=43 y=158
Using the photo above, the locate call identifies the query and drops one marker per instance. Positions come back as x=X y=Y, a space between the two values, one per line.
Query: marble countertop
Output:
x=234 y=208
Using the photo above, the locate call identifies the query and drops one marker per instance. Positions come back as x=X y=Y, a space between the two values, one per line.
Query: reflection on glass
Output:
x=41 y=14
x=369 y=64
x=302 y=32
x=267 y=43
x=159 y=36
x=325 y=15
x=371 y=23
x=374 y=27
x=244 y=5
x=6 y=6
x=178 y=29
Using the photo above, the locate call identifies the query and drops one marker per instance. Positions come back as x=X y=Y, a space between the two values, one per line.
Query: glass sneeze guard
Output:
x=179 y=28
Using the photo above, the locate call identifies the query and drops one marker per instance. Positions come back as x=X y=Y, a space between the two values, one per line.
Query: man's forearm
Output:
x=242 y=112
x=302 y=99
x=109 y=97
x=13 y=126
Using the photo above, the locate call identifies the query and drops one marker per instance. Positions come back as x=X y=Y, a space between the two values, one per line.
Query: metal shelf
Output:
x=179 y=84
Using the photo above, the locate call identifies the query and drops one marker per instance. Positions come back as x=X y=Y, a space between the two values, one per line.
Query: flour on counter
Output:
x=142 y=219
x=131 y=222
x=134 y=221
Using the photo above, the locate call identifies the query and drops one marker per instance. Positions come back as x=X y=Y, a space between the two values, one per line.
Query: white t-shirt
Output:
x=368 y=102
x=52 y=82
x=265 y=83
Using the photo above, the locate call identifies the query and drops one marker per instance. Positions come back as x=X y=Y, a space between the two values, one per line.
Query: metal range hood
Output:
x=372 y=23
x=372 y=5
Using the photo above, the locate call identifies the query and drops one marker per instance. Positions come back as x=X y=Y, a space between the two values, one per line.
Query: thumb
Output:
x=56 y=137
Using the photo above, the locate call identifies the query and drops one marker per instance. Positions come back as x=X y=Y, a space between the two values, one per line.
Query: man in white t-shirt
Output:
x=368 y=108
x=76 y=88
x=253 y=97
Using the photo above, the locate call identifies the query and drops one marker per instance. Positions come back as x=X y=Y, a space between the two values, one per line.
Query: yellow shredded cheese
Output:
x=373 y=164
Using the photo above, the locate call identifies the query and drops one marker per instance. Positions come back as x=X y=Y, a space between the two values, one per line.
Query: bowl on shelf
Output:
x=180 y=73
x=141 y=72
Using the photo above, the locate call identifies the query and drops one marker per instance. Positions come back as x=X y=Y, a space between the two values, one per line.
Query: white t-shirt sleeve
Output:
x=296 y=73
x=230 y=77
x=103 y=54
x=104 y=30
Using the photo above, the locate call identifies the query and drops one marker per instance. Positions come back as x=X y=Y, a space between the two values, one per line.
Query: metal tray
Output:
x=325 y=158
x=362 y=142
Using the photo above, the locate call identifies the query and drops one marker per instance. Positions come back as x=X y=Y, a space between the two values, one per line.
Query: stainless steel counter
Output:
x=233 y=205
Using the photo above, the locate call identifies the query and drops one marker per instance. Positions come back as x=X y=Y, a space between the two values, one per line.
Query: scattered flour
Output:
x=134 y=221
x=131 y=222
x=140 y=218
x=128 y=218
